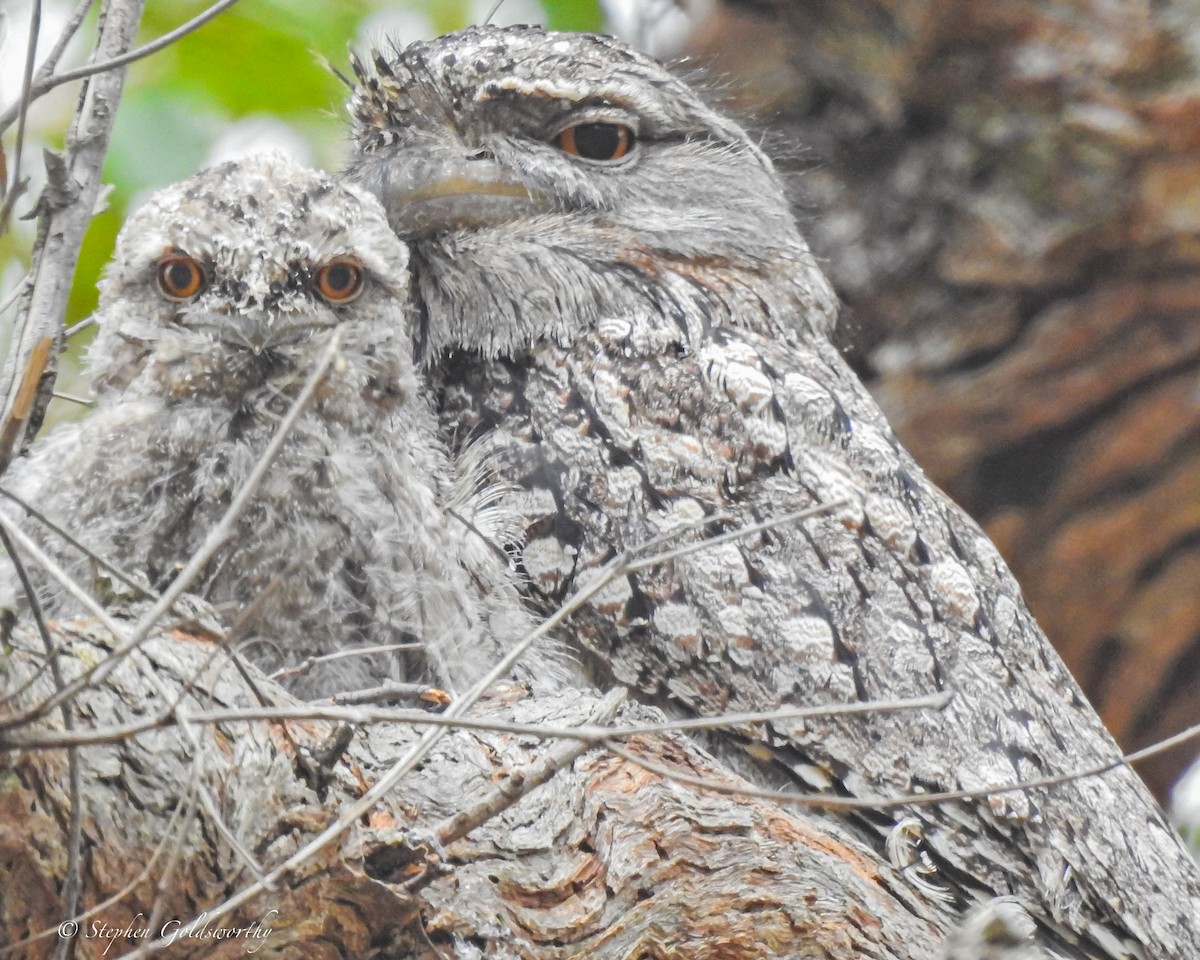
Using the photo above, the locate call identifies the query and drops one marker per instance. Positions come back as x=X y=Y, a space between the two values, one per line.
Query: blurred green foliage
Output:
x=260 y=59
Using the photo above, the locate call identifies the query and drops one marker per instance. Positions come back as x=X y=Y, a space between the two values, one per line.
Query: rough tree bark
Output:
x=606 y=860
x=64 y=209
x=1007 y=195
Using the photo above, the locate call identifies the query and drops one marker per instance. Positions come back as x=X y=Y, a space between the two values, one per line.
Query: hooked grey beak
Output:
x=255 y=331
x=428 y=193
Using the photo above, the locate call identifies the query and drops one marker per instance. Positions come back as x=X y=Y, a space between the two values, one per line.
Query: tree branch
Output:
x=64 y=211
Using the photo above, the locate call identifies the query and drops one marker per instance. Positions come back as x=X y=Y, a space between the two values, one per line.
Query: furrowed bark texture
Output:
x=1007 y=195
x=605 y=861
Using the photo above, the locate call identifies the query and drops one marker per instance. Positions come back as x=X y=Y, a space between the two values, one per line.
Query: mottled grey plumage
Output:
x=644 y=341
x=373 y=535
x=1000 y=929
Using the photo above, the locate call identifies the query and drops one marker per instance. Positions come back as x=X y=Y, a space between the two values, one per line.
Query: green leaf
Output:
x=95 y=253
x=584 y=15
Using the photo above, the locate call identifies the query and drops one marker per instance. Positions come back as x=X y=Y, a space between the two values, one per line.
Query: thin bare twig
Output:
x=934 y=701
x=307 y=665
x=64 y=211
x=1164 y=745
x=29 y=94
x=11 y=696
x=45 y=84
x=177 y=849
x=519 y=783
x=74 y=22
x=161 y=43
x=60 y=576
x=491 y=13
x=738 y=533
x=16 y=293
x=391 y=690
x=79 y=327
x=214 y=815
x=588 y=736
x=63 y=579
x=71 y=398
x=50 y=525
x=358 y=715
x=614 y=568
x=74 y=884
x=820 y=801
x=419 y=750
x=11 y=193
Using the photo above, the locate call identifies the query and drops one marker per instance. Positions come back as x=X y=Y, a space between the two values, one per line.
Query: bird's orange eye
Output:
x=596 y=141
x=180 y=277
x=339 y=280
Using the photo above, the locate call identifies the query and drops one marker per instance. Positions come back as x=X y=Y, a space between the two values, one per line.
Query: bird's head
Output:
x=234 y=279
x=548 y=180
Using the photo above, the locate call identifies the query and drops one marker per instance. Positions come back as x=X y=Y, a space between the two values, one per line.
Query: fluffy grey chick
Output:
x=609 y=284
x=222 y=297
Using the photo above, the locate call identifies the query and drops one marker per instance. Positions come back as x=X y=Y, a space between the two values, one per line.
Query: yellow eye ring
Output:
x=179 y=276
x=597 y=141
x=339 y=280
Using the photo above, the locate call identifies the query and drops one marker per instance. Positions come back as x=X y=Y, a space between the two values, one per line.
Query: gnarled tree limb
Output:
x=603 y=860
x=64 y=211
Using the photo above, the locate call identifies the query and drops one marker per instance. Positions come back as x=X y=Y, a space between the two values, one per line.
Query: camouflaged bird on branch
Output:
x=222 y=297
x=610 y=292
